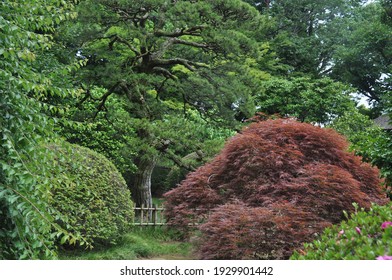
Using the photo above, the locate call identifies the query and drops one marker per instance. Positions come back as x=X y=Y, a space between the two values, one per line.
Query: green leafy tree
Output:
x=27 y=225
x=167 y=58
x=378 y=151
x=303 y=36
x=306 y=98
x=109 y=132
x=364 y=55
x=191 y=140
x=357 y=127
x=347 y=40
x=363 y=59
x=367 y=140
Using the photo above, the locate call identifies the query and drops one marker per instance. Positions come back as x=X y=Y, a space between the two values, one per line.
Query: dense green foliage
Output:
x=357 y=127
x=378 y=151
x=305 y=98
x=90 y=195
x=368 y=140
x=27 y=226
x=110 y=133
x=113 y=133
x=305 y=34
x=366 y=235
x=365 y=65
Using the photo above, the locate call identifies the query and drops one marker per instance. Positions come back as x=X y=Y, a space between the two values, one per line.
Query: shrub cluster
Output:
x=275 y=185
x=90 y=194
x=366 y=235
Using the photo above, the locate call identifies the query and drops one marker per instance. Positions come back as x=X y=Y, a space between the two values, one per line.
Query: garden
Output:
x=195 y=130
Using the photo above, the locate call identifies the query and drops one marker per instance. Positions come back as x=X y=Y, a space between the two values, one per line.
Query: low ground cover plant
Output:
x=366 y=235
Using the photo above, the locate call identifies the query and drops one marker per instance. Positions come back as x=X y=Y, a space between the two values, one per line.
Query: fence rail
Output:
x=153 y=216
x=149 y=216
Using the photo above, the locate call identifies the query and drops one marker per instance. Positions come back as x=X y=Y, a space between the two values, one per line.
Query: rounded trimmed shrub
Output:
x=277 y=184
x=366 y=235
x=90 y=194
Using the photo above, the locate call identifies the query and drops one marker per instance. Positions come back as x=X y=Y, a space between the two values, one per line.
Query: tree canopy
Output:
x=169 y=59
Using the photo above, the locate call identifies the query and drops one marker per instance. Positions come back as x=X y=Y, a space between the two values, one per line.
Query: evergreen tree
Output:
x=165 y=58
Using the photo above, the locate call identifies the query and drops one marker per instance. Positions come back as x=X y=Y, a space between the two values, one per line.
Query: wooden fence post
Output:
x=154 y=214
x=141 y=214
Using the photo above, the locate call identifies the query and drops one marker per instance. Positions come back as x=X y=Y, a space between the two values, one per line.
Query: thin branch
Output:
x=115 y=38
x=178 y=161
x=194 y=31
x=166 y=73
x=184 y=103
x=87 y=96
x=187 y=63
x=188 y=43
x=103 y=99
x=160 y=88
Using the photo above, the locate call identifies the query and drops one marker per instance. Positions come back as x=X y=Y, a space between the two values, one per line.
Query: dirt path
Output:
x=170 y=257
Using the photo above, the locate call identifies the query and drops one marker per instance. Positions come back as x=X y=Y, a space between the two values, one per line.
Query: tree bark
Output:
x=142 y=181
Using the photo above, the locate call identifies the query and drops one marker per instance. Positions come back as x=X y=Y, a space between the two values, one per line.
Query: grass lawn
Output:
x=140 y=243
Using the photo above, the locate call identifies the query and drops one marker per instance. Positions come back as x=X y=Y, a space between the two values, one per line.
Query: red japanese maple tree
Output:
x=275 y=185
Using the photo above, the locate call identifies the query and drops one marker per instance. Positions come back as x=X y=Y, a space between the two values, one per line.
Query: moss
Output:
x=90 y=194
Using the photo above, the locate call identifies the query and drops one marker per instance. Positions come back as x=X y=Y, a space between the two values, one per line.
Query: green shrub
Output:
x=90 y=194
x=366 y=235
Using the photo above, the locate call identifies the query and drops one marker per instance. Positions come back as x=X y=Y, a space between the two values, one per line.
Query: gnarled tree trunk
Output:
x=142 y=181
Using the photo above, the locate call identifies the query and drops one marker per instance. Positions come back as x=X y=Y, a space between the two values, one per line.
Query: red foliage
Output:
x=273 y=186
x=237 y=231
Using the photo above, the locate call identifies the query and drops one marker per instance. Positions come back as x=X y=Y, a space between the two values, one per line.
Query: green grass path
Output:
x=140 y=243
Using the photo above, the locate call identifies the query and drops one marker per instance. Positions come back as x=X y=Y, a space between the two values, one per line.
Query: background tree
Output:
x=368 y=140
x=356 y=127
x=304 y=36
x=308 y=99
x=165 y=58
x=111 y=132
x=363 y=57
x=363 y=60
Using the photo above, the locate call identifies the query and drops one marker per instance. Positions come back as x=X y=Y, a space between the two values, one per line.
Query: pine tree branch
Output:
x=174 y=61
x=189 y=43
x=194 y=31
x=115 y=38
